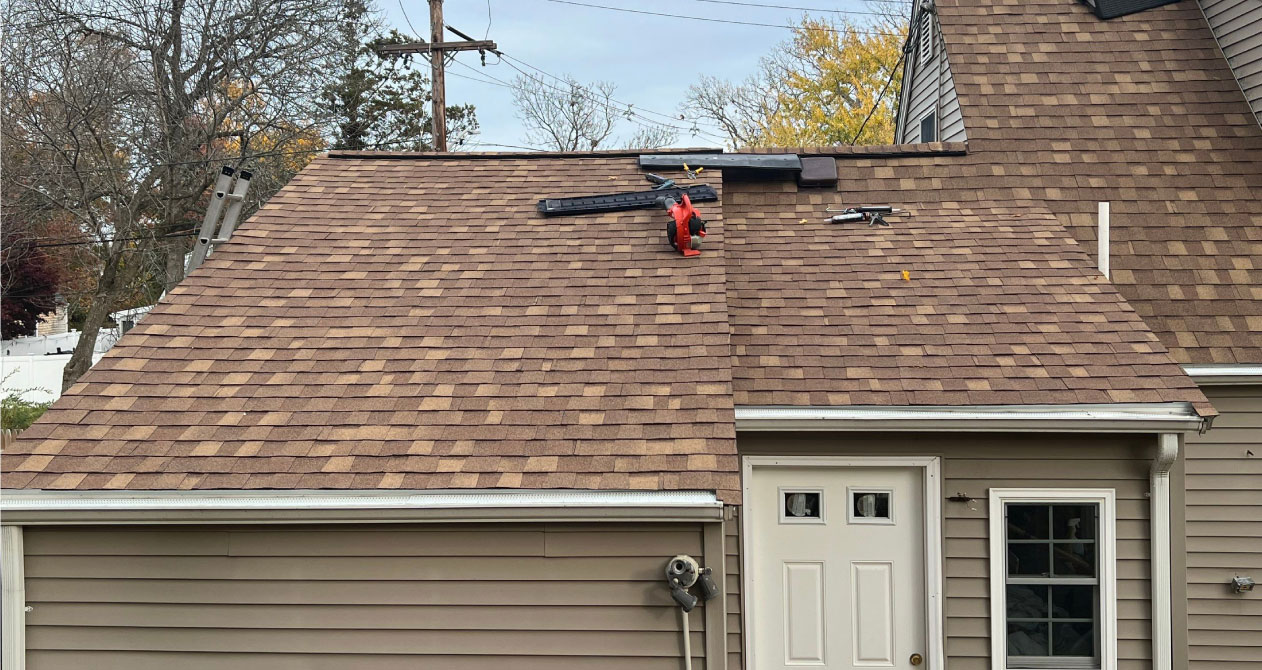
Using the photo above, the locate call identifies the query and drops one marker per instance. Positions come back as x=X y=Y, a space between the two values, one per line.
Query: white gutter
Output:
x=1162 y=618
x=316 y=506
x=1103 y=418
x=1217 y=375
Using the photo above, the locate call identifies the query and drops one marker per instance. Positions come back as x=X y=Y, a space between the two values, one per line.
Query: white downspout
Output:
x=1162 y=626
x=1102 y=240
x=14 y=609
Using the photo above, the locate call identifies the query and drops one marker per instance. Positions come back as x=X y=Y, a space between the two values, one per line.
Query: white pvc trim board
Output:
x=321 y=499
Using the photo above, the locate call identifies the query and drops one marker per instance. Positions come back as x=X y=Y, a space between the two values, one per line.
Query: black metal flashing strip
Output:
x=617 y=202
x=777 y=162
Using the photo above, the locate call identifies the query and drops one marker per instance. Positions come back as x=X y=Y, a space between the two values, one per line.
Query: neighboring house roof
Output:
x=397 y=321
x=1065 y=109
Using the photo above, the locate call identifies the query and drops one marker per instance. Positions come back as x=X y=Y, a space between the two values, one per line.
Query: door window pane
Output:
x=871 y=504
x=802 y=505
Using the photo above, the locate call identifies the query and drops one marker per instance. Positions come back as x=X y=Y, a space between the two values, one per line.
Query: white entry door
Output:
x=838 y=567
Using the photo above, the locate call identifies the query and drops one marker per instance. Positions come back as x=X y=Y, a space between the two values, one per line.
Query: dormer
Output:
x=928 y=109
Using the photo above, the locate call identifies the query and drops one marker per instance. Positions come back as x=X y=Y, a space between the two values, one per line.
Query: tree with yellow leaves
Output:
x=816 y=89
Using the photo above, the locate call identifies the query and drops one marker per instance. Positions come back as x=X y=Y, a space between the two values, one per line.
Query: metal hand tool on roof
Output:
x=873 y=214
x=662 y=182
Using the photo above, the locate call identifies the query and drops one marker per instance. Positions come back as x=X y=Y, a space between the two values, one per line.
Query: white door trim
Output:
x=931 y=465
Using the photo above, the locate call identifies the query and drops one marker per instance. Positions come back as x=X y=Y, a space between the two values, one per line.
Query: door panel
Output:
x=804 y=613
x=837 y=567
x=873 y=612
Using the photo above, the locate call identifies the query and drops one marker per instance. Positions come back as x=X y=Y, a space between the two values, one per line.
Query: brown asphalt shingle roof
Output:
x=999 y=306
x=388 y=323
x=1068 y=110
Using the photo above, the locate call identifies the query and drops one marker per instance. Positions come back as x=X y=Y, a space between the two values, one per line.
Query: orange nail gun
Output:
x=686 y=228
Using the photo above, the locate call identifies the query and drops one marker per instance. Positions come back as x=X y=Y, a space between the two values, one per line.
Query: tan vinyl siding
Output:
x=531 y=596
x=735 y=602
x=930 y=85
x=973 y=464
x=1237 y=24
x=1224 y=532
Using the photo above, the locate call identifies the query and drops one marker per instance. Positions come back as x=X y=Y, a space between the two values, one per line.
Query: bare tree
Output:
x=652 y=137
x=123 y=110
x=573 y=116
x=736 y=108
x=565 y=117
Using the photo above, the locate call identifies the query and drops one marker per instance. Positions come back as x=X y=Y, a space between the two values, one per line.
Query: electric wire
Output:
x=714 y=20
x=791 y=7
x=581 y=90
x=629 y=111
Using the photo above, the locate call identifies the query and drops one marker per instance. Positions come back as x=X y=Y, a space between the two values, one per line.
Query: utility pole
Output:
x=436 y=50
x=439 y=76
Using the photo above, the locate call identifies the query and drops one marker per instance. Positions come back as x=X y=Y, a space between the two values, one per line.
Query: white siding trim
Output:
x=14 y=612
x=1106 y=546
x=935 y=628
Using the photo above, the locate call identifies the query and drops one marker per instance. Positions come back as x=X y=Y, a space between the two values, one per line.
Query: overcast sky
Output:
x=651 y=59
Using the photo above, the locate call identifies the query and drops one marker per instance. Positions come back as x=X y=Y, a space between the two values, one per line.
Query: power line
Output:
x=729 y=21
x=672 y=117
x=630 y=110
x=801 y=9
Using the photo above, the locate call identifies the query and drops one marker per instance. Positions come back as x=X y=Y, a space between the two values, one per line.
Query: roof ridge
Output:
x=482 y=155
x=869 y=150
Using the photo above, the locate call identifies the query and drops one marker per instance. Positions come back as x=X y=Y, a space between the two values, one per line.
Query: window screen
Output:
x=1052 y=585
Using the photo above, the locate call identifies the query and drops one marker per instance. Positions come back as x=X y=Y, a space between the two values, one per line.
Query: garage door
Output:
x=476 y=596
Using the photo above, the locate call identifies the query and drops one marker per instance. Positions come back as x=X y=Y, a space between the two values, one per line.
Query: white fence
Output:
x=37 y=378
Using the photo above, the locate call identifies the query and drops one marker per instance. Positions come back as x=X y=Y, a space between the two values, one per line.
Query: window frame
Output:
x=822 y=519
x=1106 y=553
x=873 y=521
x=932 y=115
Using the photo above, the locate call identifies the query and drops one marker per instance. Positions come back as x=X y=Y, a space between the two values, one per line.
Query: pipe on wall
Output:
x=1159 y=498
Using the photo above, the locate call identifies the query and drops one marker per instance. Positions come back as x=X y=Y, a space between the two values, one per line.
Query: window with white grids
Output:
x=1053 y=593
